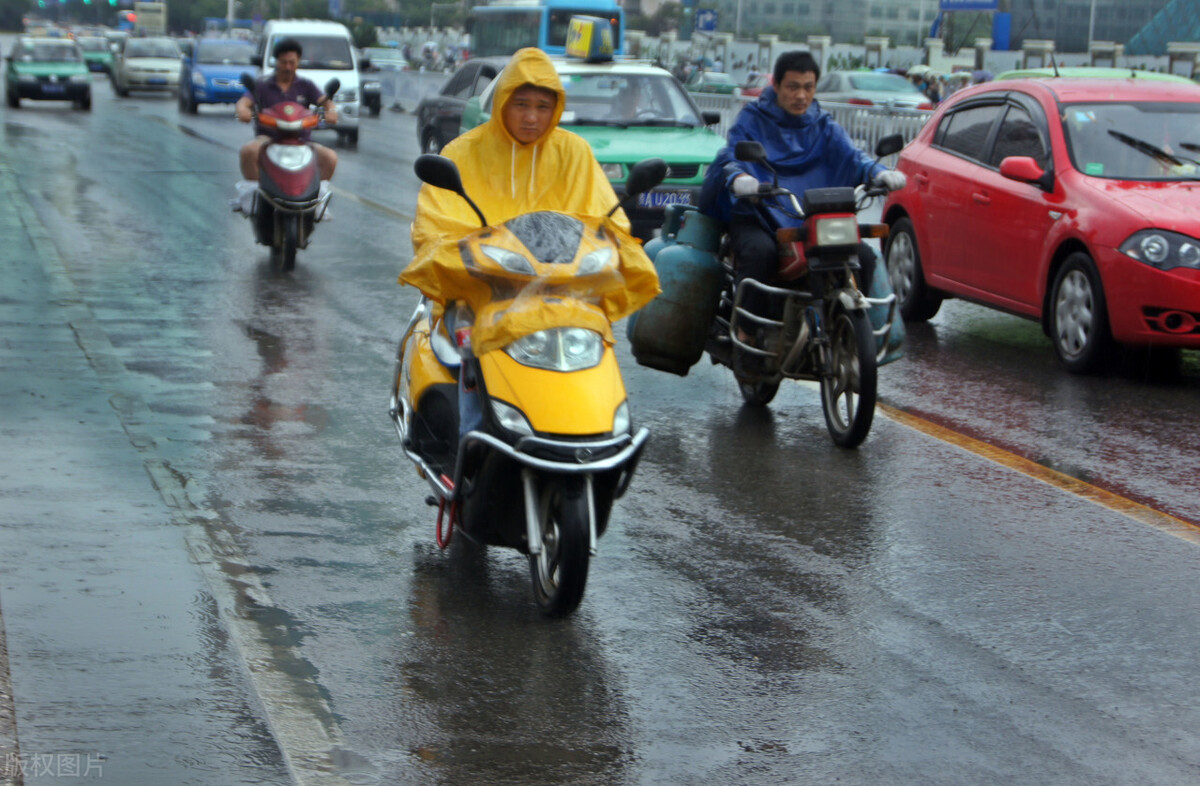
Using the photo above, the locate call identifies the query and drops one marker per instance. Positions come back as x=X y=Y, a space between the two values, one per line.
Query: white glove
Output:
x=744 y=185
x=890 y=180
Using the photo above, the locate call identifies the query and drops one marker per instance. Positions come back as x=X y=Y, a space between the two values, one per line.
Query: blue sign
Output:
x=706 y=20
x=335 y=8
x=967 y=5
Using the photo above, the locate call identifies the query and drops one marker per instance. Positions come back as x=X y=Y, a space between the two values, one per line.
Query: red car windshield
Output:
x=1134 y=141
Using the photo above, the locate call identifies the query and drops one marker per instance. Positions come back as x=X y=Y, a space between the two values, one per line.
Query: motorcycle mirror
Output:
x=247 y=82
x=643 y=176
x=441 y=172
x=749 y=150
x=332 y=87
x=889 y=145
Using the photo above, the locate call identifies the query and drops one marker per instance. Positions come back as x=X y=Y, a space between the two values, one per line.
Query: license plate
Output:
x=55 y=89
x=664 y=198
x=156 y=80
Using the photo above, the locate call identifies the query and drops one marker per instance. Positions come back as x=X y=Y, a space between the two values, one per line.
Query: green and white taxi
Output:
x=629 y=111
x=47 y=68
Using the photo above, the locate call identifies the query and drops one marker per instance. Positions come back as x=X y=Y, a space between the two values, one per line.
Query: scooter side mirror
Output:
x=749 y=150
x=332 y=87
x=889 y=145
x=441 y=172
x=247 y=82
x=643 y=176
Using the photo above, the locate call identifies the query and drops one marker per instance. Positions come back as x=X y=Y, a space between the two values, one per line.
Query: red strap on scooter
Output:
x=443 y=540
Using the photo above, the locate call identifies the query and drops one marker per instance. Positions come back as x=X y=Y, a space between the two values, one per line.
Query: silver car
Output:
x=871 y=88
x=147 y=64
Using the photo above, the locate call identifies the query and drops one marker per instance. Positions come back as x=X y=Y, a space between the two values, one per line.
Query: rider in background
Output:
x=285 y=85
x=806 y=148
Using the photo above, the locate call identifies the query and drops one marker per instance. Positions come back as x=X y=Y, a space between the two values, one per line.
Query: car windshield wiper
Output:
x=1156 y=153
x=642 y=122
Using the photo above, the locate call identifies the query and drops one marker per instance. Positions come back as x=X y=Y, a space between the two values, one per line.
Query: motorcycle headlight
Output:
x=839 y=231
x=612 y=171
x=621 y=422
x=346 y=97
x=558 y=349
x=198 y=80
x=1162 y=249
x=595 y=261
x=290 y=157
x=510 y=418
x=509 y=260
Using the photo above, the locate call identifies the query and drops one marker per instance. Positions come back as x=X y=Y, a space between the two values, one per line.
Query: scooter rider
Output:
x=806 y=148
x=285 y=85
x=517 y=162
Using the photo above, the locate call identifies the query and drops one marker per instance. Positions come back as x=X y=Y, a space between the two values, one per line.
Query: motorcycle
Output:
x=821 y=326
x=289 y=197
x=551 y=445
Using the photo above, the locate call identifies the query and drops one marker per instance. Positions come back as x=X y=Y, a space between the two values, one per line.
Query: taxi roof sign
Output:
x=590 y=38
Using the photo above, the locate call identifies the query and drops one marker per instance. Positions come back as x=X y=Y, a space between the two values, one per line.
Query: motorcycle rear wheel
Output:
x=560 y=571
x=848 y=390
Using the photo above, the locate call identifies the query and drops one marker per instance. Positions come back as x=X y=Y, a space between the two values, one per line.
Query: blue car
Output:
x=212 y=74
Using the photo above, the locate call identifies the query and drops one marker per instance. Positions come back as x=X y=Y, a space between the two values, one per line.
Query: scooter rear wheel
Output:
x=848 y=390
x=287 y=248
x=560 y=571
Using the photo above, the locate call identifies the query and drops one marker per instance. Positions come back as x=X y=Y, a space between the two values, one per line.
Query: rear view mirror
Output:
x=748 y=150
x=889 y=145
x=441 y=172
x=332 y=87
x=645 y=175
x=1022 y=168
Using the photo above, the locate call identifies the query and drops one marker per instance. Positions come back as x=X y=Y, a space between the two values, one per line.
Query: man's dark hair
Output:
x=796 y=60
x=286 y=45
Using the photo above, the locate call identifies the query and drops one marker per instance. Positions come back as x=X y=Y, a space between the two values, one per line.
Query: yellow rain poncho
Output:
x=505 y=178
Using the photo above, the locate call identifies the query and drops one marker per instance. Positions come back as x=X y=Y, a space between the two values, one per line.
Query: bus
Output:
x=504 y=26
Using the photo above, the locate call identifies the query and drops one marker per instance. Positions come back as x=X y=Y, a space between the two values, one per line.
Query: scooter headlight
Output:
x=510 y=418
x=290 y=157
x=621 y=422
x=595 y=261
x=509 y=260
x=558 y=349
x=840 y=231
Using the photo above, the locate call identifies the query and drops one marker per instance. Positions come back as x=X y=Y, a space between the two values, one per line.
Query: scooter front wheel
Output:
x=288 y=243
x=560 y=570
x=848 y=386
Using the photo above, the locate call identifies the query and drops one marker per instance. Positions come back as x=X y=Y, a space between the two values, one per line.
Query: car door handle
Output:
x=922 y=180
x=982 y=199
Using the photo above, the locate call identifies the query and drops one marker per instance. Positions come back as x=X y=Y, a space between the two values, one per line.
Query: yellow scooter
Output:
x=548 y=442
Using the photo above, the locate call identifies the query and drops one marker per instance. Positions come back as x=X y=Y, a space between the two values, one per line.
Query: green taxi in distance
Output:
x=97 y=53
x=629 y=111
x=710 y=82
x=47 y=69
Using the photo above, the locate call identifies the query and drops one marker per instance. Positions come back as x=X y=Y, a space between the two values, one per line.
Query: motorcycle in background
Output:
x=820 y=325
x=289 y=197
x=553 y=443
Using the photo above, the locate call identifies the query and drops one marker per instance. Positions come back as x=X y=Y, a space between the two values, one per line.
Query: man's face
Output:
x=286 y=65
x=795 y=91
x=529 y=113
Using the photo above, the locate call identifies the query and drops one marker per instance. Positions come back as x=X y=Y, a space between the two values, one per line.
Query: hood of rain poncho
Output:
x=806 y=151
x=506 y=179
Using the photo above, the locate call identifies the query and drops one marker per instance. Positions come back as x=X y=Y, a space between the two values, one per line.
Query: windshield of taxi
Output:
x=48 y=52
x=1134 y=141
x=626 y=100
x=148 y=47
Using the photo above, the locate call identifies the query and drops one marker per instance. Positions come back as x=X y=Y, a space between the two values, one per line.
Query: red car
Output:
x=755 y=84
x=1075 y=202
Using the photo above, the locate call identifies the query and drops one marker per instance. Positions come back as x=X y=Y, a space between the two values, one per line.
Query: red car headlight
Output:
x=1162 y=249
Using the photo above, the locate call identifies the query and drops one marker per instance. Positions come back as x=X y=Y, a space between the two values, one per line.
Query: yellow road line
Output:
x=1164 y=522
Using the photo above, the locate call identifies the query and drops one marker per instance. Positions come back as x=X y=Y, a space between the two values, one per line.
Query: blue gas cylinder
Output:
x=669 y=333
x=673 y=216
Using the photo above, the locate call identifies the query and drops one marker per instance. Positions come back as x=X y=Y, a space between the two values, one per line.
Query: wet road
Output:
x=937 y=607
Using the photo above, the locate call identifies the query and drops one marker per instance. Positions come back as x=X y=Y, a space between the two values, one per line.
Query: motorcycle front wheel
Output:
x=848 y=384
x=560 y=570
x=289 y=242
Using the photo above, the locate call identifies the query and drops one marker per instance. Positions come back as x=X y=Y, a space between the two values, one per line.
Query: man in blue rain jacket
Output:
x=806 y=148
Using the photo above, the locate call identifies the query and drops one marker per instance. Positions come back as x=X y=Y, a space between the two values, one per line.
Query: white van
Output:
x=328 y=52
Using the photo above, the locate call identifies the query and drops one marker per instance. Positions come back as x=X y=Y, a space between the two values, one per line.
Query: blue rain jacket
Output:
x=806 y=151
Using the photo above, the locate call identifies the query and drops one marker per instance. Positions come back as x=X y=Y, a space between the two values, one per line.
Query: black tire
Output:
x=375 y=109
x=349 y=139
x=560 y=571
x=431 y=143
x=288 y=243
x=1078 y=318
x=122 y=92
x=848 y=391
x=84 y=103
x=918 y=302
x=14 y=101
x=757 y=393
